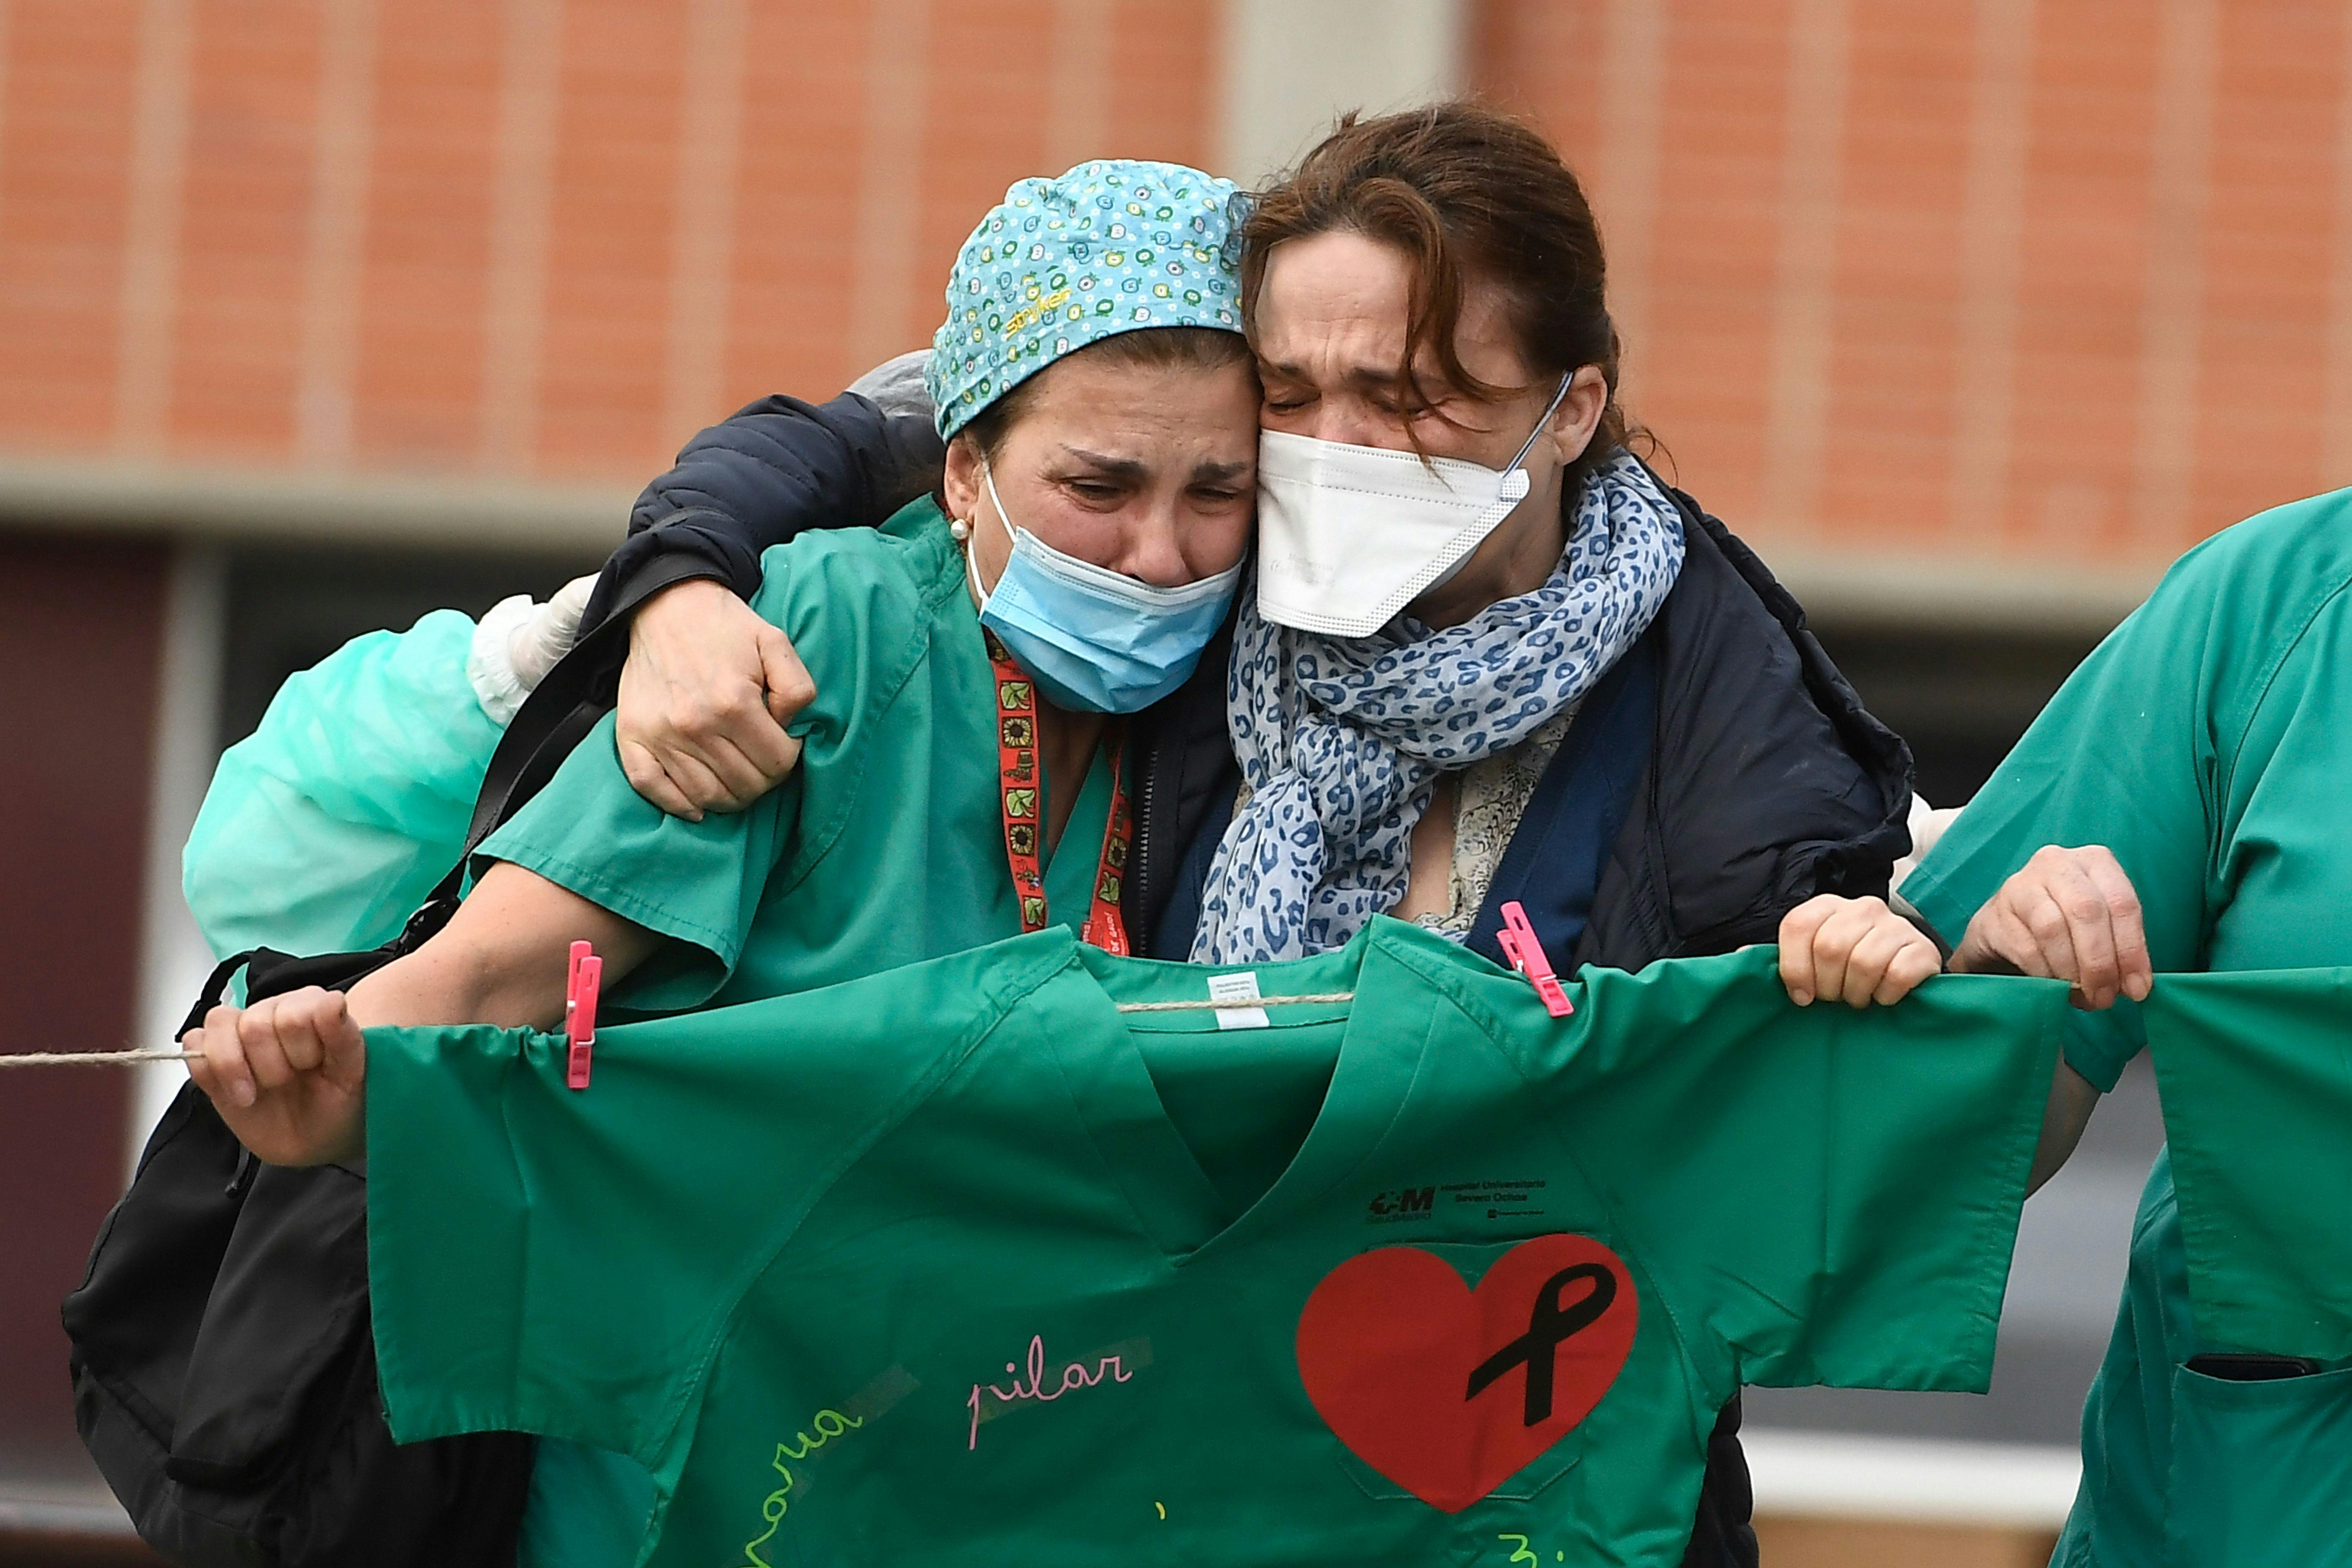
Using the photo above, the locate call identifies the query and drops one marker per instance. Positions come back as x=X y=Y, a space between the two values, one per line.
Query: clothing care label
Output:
x=1242 y=987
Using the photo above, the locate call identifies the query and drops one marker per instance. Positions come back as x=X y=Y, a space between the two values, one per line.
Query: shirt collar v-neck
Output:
x=1380 y=1053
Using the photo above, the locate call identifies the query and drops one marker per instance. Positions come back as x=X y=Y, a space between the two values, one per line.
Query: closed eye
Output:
x=1096 y=492
x=1397 y=409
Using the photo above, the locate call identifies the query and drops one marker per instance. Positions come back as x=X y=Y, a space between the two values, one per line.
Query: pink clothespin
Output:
x=1527 y=955
x=579 y=986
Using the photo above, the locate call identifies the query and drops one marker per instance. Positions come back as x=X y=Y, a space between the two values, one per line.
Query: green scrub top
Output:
x=887 y=843
x=2208 y=741
x=960 y=1263
x=885 y=847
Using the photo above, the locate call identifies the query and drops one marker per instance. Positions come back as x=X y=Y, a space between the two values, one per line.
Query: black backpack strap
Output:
x=216 y=989
x=553 y=719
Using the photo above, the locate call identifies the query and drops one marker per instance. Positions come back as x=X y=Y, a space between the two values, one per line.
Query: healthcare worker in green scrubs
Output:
x=2201 y=762
x=1133 y=450
x=1128 y=451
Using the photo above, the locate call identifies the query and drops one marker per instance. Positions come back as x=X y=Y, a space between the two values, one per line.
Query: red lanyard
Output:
x=1016 y=761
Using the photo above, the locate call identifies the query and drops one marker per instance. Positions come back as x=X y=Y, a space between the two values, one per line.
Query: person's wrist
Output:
x=680 y=597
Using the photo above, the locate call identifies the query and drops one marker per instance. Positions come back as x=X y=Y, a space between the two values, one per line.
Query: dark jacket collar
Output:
x=1768 y=782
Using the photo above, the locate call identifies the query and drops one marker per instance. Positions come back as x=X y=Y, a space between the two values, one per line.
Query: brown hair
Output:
x=1463 y=191
x=1144 y=348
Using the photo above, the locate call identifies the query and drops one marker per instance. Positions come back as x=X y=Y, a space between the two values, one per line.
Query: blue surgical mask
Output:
x=1095 y=639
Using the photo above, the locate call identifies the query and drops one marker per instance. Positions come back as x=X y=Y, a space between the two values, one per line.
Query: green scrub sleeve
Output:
x=858 y=607
x=1845 y=1186
x=2129 y=755
x=697 y=883
x=2256 y=1073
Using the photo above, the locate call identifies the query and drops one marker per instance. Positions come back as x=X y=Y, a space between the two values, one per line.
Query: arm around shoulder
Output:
x=708 y=687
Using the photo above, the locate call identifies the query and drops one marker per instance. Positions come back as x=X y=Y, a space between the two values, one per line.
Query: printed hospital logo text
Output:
x=1502 y=1200
x=1403 y=1202
x=1047 y=1382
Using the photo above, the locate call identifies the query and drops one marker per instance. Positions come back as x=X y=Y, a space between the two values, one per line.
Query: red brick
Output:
x=796 y=203
x=1163 y=69
x=64 y=156
x=2082 y=278
x=2268 y=258
x=253 y=101
x=423 y=277
x=1887 y=458
x=1705 y=371
x=606 y=342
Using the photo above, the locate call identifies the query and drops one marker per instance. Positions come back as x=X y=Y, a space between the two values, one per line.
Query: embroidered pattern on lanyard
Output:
x=1019 y=796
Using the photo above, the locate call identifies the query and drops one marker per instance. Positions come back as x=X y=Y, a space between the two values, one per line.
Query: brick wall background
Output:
x=540 y=238
x=2057 y=279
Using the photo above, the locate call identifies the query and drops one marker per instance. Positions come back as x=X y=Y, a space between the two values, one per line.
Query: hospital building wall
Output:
x=1970 y=314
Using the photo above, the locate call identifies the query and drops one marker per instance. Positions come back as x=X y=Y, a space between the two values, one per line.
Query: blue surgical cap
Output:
x=1111 y=247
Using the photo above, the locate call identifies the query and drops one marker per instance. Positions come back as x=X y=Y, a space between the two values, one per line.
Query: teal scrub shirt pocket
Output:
x=2261 y=1472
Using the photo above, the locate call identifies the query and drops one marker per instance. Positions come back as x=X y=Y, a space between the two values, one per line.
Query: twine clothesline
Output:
x=91 y=1059
x=1324 y=998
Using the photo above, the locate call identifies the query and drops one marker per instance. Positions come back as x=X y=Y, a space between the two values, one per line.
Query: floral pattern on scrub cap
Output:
x=1110 y=247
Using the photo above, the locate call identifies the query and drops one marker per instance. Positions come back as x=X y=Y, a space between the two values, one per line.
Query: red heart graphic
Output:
x=1450 y=1392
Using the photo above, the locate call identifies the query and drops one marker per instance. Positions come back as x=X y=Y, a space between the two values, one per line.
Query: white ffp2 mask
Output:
x=1349 y=536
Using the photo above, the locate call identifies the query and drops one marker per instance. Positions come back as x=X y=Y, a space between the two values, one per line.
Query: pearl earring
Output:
x=960 y=530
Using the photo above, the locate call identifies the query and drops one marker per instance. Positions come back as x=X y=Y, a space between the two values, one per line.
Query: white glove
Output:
x=518 y=642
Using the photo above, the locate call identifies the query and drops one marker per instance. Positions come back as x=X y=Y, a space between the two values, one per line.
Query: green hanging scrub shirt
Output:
x=886 y=846
x=2208 y=741
x=960 y=1262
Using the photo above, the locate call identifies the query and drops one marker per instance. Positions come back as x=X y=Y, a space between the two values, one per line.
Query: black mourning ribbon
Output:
x=1549 y=1326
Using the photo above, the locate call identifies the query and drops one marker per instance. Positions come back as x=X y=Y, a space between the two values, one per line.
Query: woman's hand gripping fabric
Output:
x=705 y=696
x=1855 y=950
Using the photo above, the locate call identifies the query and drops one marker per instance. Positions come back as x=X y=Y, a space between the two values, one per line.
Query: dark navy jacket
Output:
x=1720 y=775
